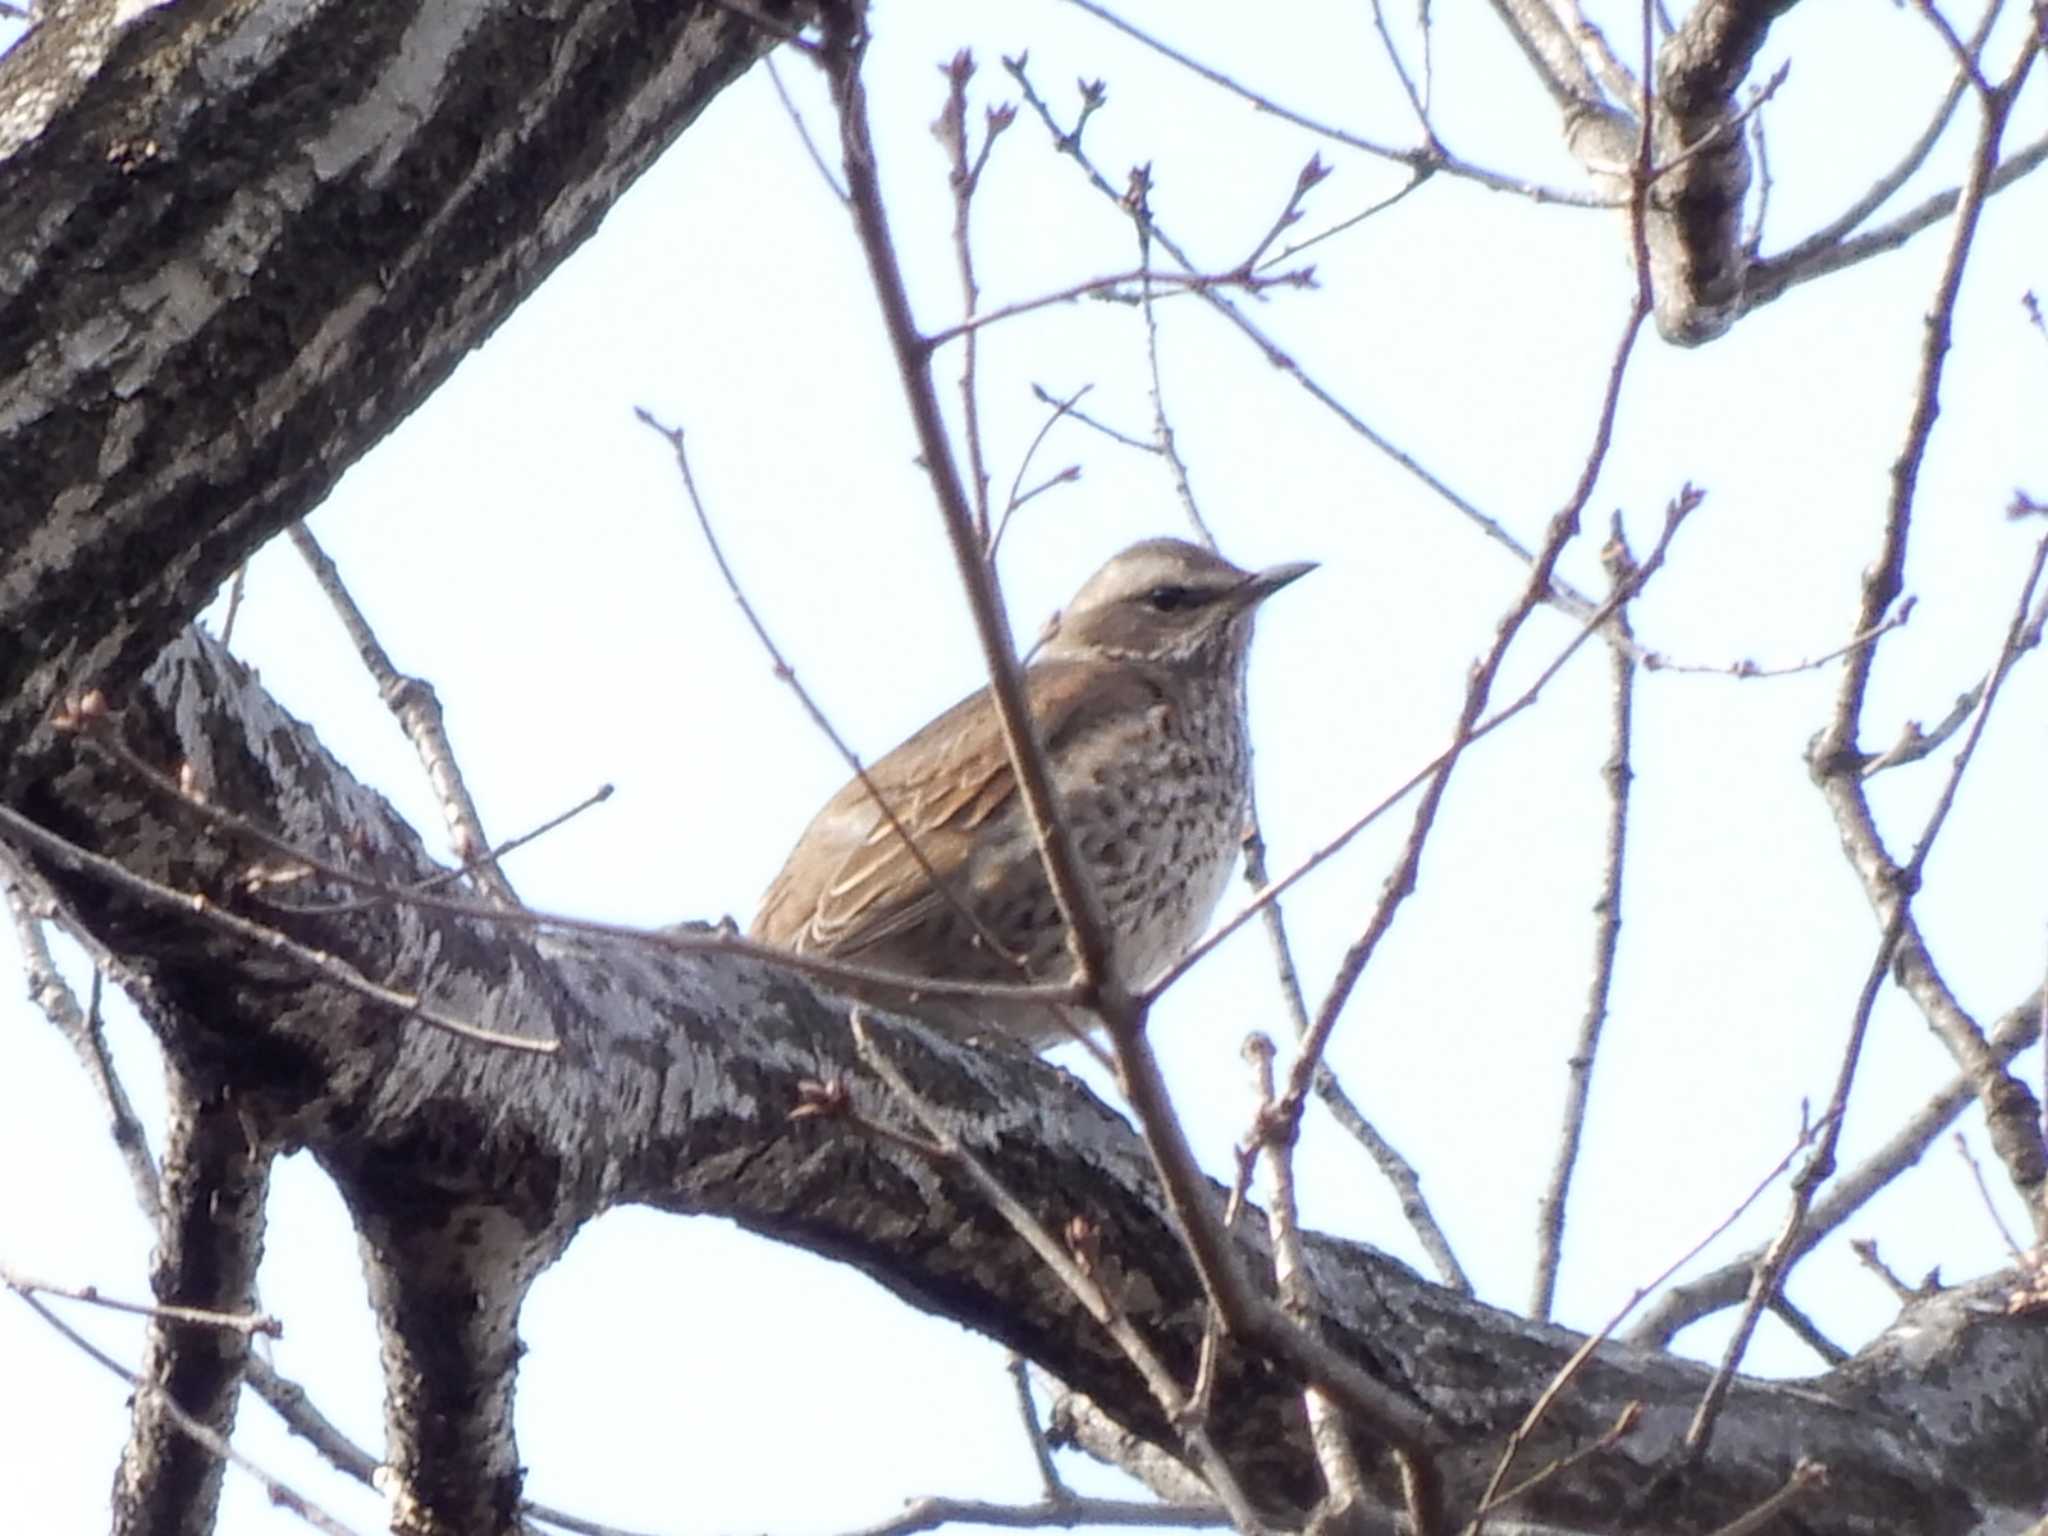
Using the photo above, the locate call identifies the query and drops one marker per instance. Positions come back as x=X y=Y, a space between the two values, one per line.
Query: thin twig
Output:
x=1970 y=1162
x=1113 y=285
x=1966 y=57
x=1343 y=1481
x=1682 y=507
x=1344 y=225
x=202 y=1317
x=80 y=1027
x=1089 y=938
x=1807 y=1331
x=1658 y=661
x=1865 y=1250
x=1562 y=592
x=787 y=673
x=237 y=585
x=1881 y=191
x=1056 y=1489
x=1686 y=1304
x=1616 y=773
x=281 y=1494
x=1785 y=1248
x=965 y=178
x=1061 y=408
x=929 y=1514
x=1776 y=276
x=596 y=797
x=1073 y=1274
x=803 y=131
x=413 y=701
x=1430 y=156
x=1493 y=1496
x=296 y=863
x=1398 y=1172
x=328 y=966
x=1045 y=396
x=1416 y=100
x=1807 y=1475
x=1917 y=742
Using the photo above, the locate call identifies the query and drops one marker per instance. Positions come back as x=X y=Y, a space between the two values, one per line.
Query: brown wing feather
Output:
x=851 y=884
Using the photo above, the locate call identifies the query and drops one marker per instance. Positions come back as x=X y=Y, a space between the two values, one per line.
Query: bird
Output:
x=1138 y=698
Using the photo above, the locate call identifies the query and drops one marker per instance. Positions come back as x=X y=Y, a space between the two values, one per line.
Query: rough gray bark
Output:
x=468 y=1169
x=209 y=1243
x=1692 y=226
x=243 y=239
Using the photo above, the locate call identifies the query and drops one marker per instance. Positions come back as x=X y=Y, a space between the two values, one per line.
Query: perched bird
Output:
x=1138 y=698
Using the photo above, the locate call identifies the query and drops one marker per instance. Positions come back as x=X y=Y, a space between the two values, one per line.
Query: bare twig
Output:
x=1088 y=933
x=1881 y=191
x=237 y=586
x=1061 y=409
x=1966 y=56
x=1723 y=1287
x=929 y=1514
x=202 y=1317
x=413 y=701
x=1116 y=286
x=30 y=905
x=328 y=967
x=295 y=862
x=1807 y=1331
x=1398 y=1172
x=1056 y=1489
x=1785 y=1248
x=1069 y=142
x=1274 y=1137
x=280 y=1494
x=803 y=130
x=1916 y=742
x=1494 y=1496
x=1682 y=507
x=1865 y=1250
x=1970 y=1162
x=1657 y=661
x=966 y=168
x=1807 y=1475
x=1775 y=276
x=596 y=797
x=1430 y=156
x=1616 y=773
x=1074 y=1273
x=787 y=673
x=1163 y=440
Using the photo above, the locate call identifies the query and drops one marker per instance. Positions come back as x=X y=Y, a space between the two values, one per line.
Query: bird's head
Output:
x=1168 y=601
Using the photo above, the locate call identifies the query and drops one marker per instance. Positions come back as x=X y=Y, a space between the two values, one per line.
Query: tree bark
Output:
x=244 y=238
x=467 y=1168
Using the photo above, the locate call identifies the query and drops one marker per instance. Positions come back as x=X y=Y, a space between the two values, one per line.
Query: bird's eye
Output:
x=1171 y=599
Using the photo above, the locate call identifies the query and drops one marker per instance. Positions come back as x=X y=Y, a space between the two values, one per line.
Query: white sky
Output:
x=523 y=542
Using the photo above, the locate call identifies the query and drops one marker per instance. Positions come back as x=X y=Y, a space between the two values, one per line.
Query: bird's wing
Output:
x=851 y=885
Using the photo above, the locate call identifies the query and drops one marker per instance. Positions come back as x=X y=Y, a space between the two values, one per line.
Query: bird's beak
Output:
x=1261 y=585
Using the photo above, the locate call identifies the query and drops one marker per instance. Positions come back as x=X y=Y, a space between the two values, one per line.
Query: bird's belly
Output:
x=1160 y=879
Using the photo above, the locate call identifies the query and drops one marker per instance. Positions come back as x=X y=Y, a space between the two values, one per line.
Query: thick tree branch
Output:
x=244 y=239
x=675 y=1085
x=209 y=1240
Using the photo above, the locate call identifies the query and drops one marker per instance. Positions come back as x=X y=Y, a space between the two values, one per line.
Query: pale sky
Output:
x=524 y=543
